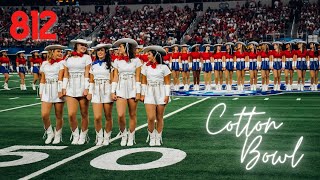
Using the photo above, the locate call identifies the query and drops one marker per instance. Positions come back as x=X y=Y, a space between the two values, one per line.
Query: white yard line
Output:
x=14 y=98
x=298 y=99
x=59 y=163
x=266 y=99
x=19 y=107
x=235 y=99
x=12 y=88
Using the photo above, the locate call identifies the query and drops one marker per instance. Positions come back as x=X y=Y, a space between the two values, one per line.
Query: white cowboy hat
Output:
x=124 y=41
x=265 y=43
x=68 y=49
x=158 y=49
x=20 y=52
x=140 y=47
x=44 y=52
x=102 y=45
x=34 y=51
x=254 y=43
x=206 y=45
x=314 y=42
x=303 y=42
x=277 y=42
x=4 y=50
x=229 y=43
x=195 y=45
x=80 y=41
x=239 y=42
x=184 y=45
x=173 y=45
x=54 y=46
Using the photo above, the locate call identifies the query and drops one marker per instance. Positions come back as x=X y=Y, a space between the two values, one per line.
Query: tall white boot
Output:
x=50 y=135
x=152 y=137
x=124 y=137
x=83 y=137
x=302 y=87
x=158 y=138
x=57 y=136
x=33 y=87
x=6 y=87
x=106 y=138
x=21 y=87
x=75 y=136
x=99 y=137
x=131 y=138
x=24 y=87
x=255 y=87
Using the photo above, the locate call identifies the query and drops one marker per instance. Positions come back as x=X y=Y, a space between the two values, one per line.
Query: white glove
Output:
x=31 y=70
x=17 y=69
x=138 y=87
x=91 y=86
x=114 y=87
x=41 y=88
x=143 y=89
x=11 y=68
x=60 y=86
x=65 y=83
x=167 y=90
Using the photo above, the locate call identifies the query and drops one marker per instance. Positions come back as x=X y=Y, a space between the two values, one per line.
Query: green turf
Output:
x=208 y=157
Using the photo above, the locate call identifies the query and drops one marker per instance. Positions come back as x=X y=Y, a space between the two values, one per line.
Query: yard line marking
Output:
x=266 y=99
x=14 y=98
x=235 y=99
x=298 y=99
x=176 y=99
x=38 y=98
x=52 y=166
x=19 y=107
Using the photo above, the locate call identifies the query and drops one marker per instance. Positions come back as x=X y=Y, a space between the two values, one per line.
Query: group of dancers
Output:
x=77 y=80
x=221 y=60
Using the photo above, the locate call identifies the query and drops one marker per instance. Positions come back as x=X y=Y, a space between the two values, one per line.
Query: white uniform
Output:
x=126 y=87
x=155 y=90
x=51 y=72
x=102 y=88
x=76 y=66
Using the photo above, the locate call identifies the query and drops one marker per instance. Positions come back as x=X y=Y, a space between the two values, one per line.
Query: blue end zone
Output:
x=235 y=92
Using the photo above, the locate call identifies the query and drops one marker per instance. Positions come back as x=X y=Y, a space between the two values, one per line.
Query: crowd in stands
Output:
x=251 y=22
x=148 y=25
x=309 y=21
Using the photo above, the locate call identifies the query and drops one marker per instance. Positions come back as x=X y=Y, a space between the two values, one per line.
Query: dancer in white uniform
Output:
x=76 y=87
x=155 y=91
x=100 y=93
x=51 y=92
x=126 y=87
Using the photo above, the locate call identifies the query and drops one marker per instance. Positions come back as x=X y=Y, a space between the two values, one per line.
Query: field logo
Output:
x=247 y=129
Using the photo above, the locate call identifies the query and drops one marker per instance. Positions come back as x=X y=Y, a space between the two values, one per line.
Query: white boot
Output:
x=106 y=138
x=124 y=137
x=24 y=87
x=316 y=87
x=158 y=138
x=302 y=87
x=99 y=137
x=83 y=137
x=287 y=87
x=5 y=86
x=251 y=87
x=188 y=87
x=152 y=136
x=75 y=136
x=275 y=87
x=50 y=135
x=131 y=138
x=57 y=136
x=255 y=87
x=33 y=87
x=267 y=87
x=299 y=87
x=21 y=87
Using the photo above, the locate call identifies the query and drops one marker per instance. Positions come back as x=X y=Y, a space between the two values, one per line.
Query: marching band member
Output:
x=228 y=65
x=35 y=63
x=5 y=67
x=76 y=87
x=301 y=64
x=51 y=92
x=313 y=64
x=264 y=64
x=155 y=92
x=166 y=58
x=175 y=66
x=44 y=55
x=100 y=93
x=252 y=55
x=185 y=68
x=206 y=59
x=195 y=56
x=240 y=58
x=276 y=64
x=22 y=68
x=126 y=87
x=217 y=66
x=288 y=72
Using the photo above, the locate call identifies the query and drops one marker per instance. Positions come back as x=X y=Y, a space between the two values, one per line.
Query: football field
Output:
x=200 y=142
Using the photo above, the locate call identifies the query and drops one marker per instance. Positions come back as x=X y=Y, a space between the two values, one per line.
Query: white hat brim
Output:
x=277 y=42
x=44 y=52
x=265 y=43
x=159 y=49
x=54 y=46
x=20 y=52
x=229 y=43
x=240 y=43
x=34 y=51
x=195 y=45
x=173 y=45
x=314 y=42
x=254 y=43
x=124 y=41
x=207 y=45
x=217 y=45
x=4 y=50
x=80 y=41
x=99 y=46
